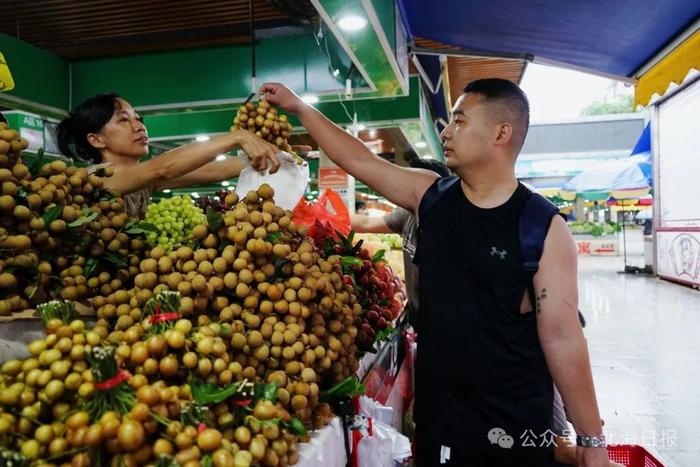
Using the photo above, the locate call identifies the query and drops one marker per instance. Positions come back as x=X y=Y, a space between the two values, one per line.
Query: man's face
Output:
x=468 y=137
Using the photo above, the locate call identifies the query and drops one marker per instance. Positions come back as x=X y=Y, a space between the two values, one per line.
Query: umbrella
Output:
x=621 y=181
x=624 y=180
x=641 y=154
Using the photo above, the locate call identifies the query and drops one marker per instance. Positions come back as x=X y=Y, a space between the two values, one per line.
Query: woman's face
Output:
x=124 y=134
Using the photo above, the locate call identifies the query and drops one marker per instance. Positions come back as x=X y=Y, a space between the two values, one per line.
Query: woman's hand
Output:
x=262 y=154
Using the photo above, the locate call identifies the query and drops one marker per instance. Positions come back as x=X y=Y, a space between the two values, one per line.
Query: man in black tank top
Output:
x=487 y=355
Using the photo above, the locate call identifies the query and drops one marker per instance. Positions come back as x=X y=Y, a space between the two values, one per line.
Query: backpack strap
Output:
x=533 y=227
x=430 y=199
x=436 y=191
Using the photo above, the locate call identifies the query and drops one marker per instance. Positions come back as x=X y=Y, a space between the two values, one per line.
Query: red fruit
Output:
x=386 y=314
x=372 y=316
x=381 y=324
x=361 y=337
x=366 y=327
x=364 y=253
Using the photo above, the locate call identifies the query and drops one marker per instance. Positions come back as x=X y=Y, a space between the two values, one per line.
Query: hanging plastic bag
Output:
x=373 y=409
x=289 y=182
x=379 y=445
x=324 y=218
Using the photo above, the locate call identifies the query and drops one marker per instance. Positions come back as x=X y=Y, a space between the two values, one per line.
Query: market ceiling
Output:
x=117 y=27
x=614 y=38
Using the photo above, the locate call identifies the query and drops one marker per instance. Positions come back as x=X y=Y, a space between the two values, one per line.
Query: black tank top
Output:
x=480 y=365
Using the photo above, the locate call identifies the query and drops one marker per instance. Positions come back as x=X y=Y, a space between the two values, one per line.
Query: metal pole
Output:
x=624 y=235
x=252 y=45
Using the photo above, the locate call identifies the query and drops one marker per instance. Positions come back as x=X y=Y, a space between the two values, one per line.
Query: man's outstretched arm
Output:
x=399 y=185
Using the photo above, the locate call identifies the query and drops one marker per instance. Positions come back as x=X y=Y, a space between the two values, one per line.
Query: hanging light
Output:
x=351 y=22
x=310 y=99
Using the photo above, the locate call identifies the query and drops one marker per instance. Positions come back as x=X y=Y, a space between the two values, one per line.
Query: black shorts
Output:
x=431 y=453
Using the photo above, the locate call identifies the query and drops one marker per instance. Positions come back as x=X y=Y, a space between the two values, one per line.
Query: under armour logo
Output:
x=444 y=454
x=500 y=253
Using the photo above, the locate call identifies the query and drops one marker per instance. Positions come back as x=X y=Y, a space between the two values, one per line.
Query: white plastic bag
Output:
x=371 y=408
x=289 y=182
x=384 y=447
x=326 y=447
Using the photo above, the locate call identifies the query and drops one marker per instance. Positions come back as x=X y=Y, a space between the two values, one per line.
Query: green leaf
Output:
x=279 y=264
x=214 y=219
x=223 y=244
x=112 y=258
x=207 y=461
x=295 y=427
x=351 y=261
x=274 y=237
x=378 y=256
x=349 y=387
x=83 y=220
x=20 y=193
x=194 y=414
x=205 y=393
x=266 y=391
x=36 y=166
x=90 y=266
x=384 y=335
x=103 y=195
x=51 y=215
x=140 y=227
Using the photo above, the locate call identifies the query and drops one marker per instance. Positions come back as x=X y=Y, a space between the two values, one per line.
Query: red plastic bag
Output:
x=325 y=217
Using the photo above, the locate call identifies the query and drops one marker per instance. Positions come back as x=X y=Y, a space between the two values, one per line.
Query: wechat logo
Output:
x=501 y=438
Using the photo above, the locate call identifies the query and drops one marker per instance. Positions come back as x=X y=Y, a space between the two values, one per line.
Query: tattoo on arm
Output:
x=539 y=298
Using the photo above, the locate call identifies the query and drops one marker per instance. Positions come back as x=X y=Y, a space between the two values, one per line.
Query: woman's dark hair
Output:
x=89 y=117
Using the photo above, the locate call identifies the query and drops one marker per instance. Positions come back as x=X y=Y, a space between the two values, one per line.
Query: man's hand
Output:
x=593 y=457
x=400 y=185
x=262 y=154
x=279 y=95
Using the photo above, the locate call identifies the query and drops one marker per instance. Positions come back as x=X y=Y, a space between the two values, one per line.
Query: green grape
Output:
x=174 y=218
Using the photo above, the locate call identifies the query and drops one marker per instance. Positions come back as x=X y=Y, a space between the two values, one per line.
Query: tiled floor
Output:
x=644 y=340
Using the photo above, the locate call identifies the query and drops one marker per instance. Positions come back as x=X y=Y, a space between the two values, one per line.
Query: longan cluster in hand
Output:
x=265 y=122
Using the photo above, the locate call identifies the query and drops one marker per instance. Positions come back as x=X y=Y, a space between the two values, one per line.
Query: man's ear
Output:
x=504 y=134
x=96 y=140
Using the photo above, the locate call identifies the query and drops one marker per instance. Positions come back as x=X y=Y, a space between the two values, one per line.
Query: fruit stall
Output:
x=216 y=331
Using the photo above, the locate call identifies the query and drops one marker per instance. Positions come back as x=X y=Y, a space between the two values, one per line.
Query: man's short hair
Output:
x=431 y=164
x=509 y=100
